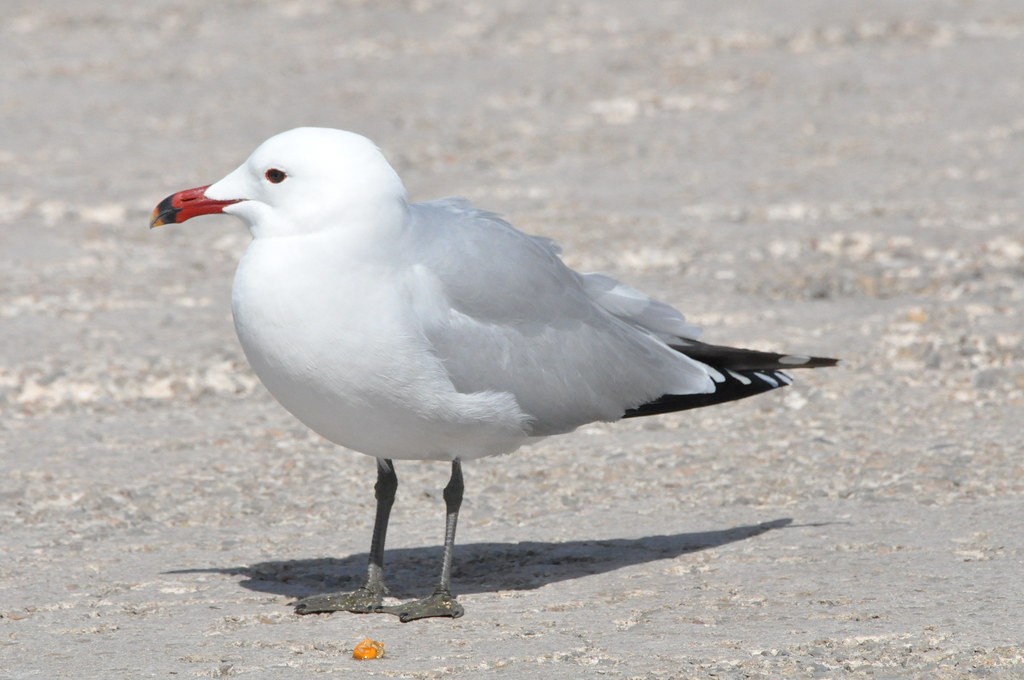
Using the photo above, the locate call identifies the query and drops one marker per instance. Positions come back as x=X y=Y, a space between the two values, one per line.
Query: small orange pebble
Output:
x=368 y=649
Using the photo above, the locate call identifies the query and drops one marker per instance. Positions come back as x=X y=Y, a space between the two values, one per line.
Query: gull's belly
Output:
x=343 y=360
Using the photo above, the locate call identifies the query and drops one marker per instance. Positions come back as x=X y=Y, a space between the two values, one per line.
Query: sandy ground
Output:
x=820 y=177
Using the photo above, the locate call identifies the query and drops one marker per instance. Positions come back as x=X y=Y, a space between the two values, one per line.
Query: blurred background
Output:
x=831 y=178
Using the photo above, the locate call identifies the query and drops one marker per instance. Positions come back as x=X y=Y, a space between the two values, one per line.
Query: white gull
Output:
x=437 y=330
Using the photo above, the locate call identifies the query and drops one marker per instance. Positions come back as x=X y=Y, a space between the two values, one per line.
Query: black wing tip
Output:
x=738 y=373
x=737 y=358
x=733 y=385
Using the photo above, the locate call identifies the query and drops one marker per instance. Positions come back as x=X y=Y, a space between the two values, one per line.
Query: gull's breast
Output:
x=337 y=345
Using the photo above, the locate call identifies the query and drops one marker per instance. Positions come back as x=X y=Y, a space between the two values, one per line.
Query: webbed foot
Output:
x=365 y=600
x=440 y=603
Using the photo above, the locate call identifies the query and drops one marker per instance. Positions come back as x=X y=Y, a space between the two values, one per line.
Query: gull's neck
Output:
x=365 y=232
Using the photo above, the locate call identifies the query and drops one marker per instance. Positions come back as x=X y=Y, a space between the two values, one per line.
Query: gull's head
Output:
x=300 y=181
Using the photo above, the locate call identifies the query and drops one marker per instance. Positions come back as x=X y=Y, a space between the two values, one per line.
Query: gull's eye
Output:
x=275 y=176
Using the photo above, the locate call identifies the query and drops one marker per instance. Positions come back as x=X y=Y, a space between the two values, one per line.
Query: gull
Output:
x=437 y=330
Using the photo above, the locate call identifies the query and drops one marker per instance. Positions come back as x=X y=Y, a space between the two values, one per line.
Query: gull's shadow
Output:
x=481 y=567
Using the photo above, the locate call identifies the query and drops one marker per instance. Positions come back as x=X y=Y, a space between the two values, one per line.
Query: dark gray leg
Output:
x=441 y=602
x=370 y=597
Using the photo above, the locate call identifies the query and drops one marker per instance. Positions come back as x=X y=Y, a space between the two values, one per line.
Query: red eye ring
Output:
x=275 y=176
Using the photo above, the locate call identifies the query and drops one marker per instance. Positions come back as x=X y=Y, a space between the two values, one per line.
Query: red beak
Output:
x=185 y=205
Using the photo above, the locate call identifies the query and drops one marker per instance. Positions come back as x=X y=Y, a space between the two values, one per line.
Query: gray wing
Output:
x=639 y=309
x=504 y=313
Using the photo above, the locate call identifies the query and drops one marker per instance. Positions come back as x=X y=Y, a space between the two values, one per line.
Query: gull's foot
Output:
x=365 y=600
x=441 y=603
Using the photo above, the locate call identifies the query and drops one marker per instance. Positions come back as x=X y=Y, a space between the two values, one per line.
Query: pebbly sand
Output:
x=831 y=178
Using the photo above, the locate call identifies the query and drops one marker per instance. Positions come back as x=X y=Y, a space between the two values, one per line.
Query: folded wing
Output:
x=571 y=348
x=534 y=326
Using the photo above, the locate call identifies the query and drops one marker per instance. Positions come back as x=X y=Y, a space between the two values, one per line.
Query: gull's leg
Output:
x=370 y=597
x=441 y=602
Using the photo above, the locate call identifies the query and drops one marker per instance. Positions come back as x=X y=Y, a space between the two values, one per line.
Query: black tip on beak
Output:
x=185 y=205
x=164 y=213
